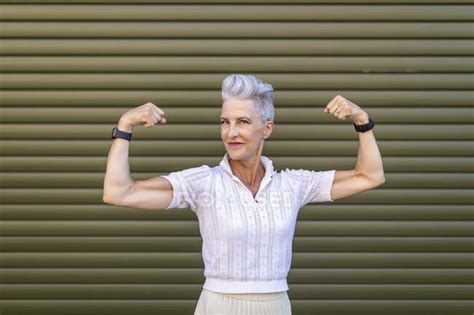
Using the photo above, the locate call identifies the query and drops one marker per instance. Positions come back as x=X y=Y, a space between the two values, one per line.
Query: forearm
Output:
x=369 y=161
x=117 y=179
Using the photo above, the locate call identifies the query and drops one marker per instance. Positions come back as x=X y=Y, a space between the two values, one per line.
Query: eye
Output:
x=223 y=122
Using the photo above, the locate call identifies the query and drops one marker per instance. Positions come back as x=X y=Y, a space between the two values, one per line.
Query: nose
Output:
x=233 y=130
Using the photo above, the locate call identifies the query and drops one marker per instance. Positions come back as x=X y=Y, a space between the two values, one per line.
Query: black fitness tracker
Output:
x=366 y=127
x=116 y=133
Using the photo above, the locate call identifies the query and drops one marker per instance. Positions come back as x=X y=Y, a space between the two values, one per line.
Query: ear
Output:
x=269 y=125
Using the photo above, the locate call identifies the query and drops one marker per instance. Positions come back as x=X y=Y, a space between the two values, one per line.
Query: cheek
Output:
x=256 y=137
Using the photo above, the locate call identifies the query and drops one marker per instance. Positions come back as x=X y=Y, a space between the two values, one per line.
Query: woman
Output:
x=246 y=209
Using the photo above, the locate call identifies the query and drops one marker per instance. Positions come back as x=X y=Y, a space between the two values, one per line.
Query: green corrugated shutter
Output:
x=68 y=71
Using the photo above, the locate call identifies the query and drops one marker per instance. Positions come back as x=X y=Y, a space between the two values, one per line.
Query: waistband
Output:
x=232 y=287
x=250 y=296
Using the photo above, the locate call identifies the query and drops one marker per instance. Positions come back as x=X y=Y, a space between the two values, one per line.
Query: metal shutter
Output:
x=69 y=70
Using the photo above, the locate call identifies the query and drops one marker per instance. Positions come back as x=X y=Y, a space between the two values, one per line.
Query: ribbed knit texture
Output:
x=213 y=303
x=247 y=241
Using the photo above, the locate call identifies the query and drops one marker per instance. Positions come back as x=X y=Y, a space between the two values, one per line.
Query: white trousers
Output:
x=217 y=303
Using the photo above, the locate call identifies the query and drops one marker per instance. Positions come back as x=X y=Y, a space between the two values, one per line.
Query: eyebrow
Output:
x=243 y=117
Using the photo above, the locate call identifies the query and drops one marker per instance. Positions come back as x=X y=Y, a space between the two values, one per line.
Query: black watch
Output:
x=366 y=127
x=116 y=133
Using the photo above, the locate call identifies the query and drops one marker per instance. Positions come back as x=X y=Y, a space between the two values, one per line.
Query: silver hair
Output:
x=245 y=87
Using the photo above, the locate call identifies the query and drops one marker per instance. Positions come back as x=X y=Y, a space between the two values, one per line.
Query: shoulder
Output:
x=302 y=175
x=193 y=173
x=295 y=174
x=203 y=169
x=192 y=179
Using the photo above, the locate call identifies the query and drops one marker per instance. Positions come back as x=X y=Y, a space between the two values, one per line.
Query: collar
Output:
x=269 y=170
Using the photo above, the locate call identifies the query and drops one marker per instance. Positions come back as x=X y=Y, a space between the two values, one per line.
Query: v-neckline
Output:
x=269 y=171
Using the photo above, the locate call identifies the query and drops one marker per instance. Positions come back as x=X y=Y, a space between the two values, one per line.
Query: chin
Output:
x=238 y=155
x=233 y=155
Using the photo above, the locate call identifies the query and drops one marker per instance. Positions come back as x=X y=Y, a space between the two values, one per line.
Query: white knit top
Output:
x=247 y=242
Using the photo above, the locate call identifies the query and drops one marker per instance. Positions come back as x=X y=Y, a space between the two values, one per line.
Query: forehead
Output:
x=235 y=108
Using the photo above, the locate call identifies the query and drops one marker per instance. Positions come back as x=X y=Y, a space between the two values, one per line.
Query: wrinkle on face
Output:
x=241 y=122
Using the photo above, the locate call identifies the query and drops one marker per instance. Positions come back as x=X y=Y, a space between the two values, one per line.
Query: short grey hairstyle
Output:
x=245 y=87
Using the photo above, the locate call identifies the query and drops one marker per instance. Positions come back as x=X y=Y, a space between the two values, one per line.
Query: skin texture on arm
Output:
x=119 y=188
x=154 y=194
x=117 y=180
x=368 y=172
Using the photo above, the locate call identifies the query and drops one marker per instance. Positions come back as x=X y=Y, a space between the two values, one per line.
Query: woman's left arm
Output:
x=368 y=172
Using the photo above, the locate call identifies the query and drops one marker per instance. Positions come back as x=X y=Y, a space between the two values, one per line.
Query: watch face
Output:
x=115 y=132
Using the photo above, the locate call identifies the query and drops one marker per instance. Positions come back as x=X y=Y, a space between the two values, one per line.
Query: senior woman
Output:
x=246 y=208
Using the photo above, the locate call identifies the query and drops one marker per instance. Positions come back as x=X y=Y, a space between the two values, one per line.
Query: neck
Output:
x=250 y=171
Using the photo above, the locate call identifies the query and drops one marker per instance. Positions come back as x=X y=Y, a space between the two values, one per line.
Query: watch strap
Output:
x=116 y=133
x=366 y=127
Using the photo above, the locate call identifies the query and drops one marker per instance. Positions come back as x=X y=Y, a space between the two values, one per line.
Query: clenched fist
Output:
x=147 y=114
x=343 y=109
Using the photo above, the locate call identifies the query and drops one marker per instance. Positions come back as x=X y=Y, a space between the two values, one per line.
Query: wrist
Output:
x=362 y=120
x=124 y=126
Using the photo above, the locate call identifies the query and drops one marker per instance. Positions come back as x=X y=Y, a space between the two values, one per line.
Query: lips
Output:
x=235 y=144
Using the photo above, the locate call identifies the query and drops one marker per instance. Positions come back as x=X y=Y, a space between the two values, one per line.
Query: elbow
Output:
x=106 y=199
x=109 y=200
x=374 y=181
x=382 y=181
x=115 y=196
x=379 y=180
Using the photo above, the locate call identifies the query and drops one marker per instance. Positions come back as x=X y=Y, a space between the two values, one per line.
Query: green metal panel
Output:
x=70 y=102
x=208 y=81
x=238 y=12
x=254 y=64
x=69 y=71
x=287 y=131
x=236 y=47
x=236 y=29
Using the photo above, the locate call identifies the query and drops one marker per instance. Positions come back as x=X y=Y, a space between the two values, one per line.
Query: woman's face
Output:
x=240 y=122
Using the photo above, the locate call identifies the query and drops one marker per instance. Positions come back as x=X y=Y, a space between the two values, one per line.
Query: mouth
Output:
x=234 y=144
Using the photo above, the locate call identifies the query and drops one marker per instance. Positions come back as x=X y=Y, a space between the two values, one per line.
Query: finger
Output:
x=161 y=119
x=161 y=115
x=145 y=122
x=338 y=110
x=156 y=117
x=341 y=112
x=331 y=104
x=160 y=111
x=334 y=107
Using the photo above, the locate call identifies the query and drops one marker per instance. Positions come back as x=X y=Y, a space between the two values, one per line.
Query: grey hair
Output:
x=248 y=87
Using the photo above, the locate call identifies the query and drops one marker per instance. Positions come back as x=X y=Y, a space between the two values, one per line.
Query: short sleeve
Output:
x=314 y=186
x=186 y=184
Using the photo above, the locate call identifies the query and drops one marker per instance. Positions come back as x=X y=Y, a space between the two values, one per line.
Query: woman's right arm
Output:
x=119 y=188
